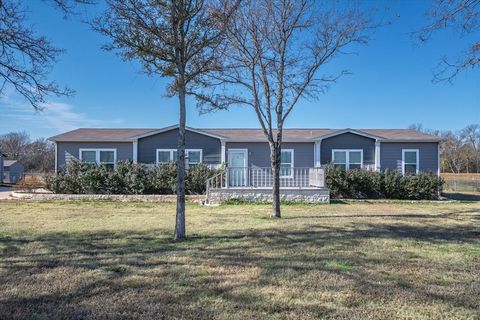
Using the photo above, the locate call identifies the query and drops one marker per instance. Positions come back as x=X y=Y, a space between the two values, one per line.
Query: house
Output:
x=2 y=156
x=245 y=152
x=13 y=171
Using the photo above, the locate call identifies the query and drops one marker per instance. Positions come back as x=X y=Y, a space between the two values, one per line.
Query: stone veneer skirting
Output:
x=317 y=195
x=110 y=197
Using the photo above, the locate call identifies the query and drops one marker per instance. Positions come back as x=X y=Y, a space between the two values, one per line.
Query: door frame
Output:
x=245 y=152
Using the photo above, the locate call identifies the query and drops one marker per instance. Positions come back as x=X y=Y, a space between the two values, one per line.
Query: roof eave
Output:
x=176 y=126
x=410 y=140
x=348 y=130
x=96 y=140
x=265 y=140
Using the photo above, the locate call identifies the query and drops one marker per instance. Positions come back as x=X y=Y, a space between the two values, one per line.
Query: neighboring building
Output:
x=405 y=150
x=13 y=171
x=2 y=156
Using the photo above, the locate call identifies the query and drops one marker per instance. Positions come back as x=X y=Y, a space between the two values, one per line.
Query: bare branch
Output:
x=463 y=17
x=25 y=58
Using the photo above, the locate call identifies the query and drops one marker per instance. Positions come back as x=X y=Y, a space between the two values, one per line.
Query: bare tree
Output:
x=13 y=144
x=274 y=55
x=462 y=16
x=26 y=58
x=36 y=156
x=471 y=136
x=178 y=39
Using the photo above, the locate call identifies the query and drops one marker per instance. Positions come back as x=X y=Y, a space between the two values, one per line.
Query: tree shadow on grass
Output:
x=469 y=197
x=110 y=275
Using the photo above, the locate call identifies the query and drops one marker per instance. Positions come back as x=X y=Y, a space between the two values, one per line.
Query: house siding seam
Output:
x=68 y=151
x=147 y=146
x=1 y=168
x=348 y=141
x=391 y=155
x=259 y=153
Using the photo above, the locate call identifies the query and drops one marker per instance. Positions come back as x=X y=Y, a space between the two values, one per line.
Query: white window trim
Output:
x=195 y=150
x=417 y=151
x=291 y=165
x=347 y=157
x=174 y=150
x=97 y=154
x=164 y=150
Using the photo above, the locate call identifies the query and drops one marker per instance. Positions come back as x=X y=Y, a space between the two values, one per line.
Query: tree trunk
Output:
x=180 y=217
x=275 y=152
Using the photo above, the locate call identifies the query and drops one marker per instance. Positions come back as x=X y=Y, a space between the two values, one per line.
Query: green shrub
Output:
x=163 y=178
x=129 y=178
x=126 y=178
x=361 y=184
x=197 y=176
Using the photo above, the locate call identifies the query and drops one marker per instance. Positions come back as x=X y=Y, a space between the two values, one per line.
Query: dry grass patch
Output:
x=106 y=260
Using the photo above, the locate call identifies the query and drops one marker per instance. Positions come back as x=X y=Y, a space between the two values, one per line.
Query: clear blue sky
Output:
x=390 y=86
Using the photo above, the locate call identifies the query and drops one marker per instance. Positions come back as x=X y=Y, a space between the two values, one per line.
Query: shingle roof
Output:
x=100 y=134
x=244 y=134
x=8 y=163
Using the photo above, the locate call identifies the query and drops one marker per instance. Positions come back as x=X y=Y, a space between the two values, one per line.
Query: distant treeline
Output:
x=460 y=150
x=36 y=155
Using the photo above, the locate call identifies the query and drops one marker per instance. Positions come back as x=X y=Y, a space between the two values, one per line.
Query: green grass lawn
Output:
x=106 y=260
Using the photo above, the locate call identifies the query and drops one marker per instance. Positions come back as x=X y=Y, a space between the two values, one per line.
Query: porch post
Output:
x=439 y=163
x=223 y=155
x=135 y=151
x=317 y=153
x=377 y=156
x=56 y=160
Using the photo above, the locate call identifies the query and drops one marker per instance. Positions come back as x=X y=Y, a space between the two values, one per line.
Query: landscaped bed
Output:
x=111 y=260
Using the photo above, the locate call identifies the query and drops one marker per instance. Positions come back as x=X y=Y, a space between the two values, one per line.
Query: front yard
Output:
x=106 y=260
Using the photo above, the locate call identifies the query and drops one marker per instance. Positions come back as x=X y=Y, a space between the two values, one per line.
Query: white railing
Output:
x=256 y=177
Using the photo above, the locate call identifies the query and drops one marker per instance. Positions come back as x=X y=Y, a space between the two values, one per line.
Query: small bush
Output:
x=197 y=176
x=29 y=184
x=361 y=184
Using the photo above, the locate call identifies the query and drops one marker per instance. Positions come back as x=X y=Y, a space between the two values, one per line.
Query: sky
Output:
x=390 y=85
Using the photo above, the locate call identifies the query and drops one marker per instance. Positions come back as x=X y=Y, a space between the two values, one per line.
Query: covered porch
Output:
x=255 y=184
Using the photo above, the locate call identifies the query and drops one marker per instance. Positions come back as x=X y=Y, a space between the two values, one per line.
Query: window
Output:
x=286 y=163
x=169 y=155
x=410 y=161
x=166 y=155
x=347 y=159
x=107 y=157
x=194 y=156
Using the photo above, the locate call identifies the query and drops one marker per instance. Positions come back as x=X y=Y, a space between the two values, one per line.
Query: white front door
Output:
x=237 y=167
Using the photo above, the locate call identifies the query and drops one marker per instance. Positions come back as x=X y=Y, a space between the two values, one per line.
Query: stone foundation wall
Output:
x=265 y=195
x=110 y=197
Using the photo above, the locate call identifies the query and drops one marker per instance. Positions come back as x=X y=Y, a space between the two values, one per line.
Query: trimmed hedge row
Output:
x=126 y=178
x=361 y=184
x=132 y=178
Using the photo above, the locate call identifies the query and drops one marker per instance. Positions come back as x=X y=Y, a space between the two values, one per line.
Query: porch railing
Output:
x=256 y=177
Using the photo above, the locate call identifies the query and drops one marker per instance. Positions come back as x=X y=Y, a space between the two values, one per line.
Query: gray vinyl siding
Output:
x=259 y=153
x=68 y=151
x=391 y=155
x=14 y=173
x=211 y=147
x=348 y=141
